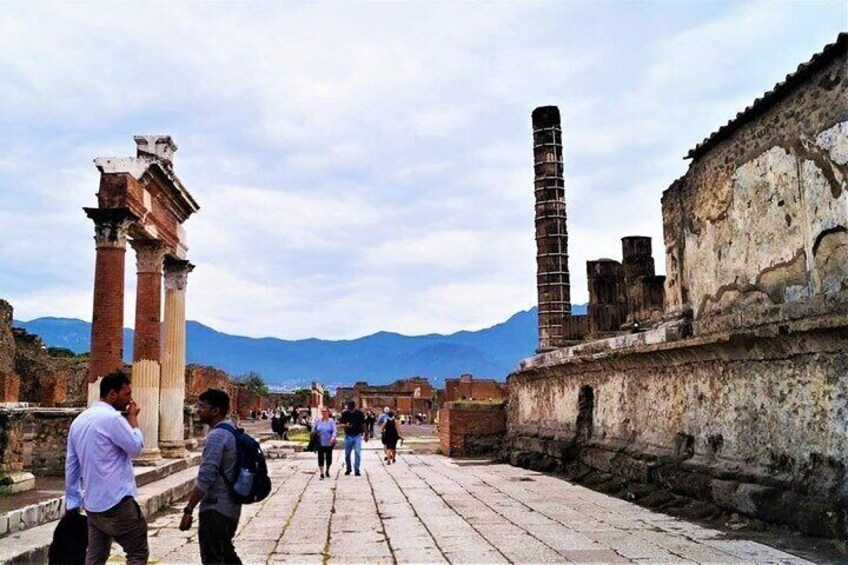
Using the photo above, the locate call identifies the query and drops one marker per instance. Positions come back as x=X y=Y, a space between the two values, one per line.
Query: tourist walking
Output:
x=370 y=419
x=219 y=512
x=353 y=423
x=325 y=427
x=101 y=446
x=391 y=435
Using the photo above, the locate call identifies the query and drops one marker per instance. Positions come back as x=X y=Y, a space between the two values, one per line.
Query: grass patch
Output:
x=477 y=403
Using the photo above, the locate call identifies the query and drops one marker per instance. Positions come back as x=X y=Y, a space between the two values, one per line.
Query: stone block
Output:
x=11 y=483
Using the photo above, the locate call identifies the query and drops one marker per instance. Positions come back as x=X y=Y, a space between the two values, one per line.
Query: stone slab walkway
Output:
x=432 y=509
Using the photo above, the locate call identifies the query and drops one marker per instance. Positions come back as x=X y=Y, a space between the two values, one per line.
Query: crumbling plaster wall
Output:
x=753 y=424
x=756 y=403
x=758 y=223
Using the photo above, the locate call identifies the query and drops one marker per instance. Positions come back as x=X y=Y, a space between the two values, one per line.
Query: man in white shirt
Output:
x=102 y=443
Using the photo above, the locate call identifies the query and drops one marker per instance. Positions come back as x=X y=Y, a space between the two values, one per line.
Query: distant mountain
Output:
x=379 y=358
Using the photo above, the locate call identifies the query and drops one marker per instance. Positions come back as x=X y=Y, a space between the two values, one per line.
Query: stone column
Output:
x=146 y=354
x=107 y=319
x=172 y=392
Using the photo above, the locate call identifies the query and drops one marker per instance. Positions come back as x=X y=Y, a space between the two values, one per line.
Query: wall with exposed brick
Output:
x=199 y=378
x=9 y=382
x=468 y=429
x=466 y=387
x=756 y=231
x=35 y=439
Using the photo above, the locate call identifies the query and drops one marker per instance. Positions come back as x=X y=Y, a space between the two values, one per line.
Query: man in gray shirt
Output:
x=219 y=513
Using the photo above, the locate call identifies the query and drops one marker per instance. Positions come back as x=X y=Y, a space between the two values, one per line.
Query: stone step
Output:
x=34 y=515
x=31 y=546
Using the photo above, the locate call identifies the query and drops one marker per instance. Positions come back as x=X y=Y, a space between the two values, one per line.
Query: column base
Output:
x=149 y=458
x=93 y=394
x=176 y=450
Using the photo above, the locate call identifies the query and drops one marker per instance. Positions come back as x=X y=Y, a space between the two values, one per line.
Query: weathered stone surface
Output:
x=747 y=227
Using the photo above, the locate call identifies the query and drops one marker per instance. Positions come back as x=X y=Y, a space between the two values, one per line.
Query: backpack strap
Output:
x=235 y=433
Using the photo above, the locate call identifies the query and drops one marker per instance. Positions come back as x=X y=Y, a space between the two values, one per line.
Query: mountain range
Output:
x=378 y=359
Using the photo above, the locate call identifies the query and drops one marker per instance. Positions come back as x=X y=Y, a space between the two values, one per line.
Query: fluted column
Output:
x=146 y=368
x=107 y=319
x=172 y=392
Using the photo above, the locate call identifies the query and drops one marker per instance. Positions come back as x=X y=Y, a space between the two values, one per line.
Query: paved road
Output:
x=430 y=509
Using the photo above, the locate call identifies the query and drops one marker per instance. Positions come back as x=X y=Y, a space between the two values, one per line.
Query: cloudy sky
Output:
x=367 y=166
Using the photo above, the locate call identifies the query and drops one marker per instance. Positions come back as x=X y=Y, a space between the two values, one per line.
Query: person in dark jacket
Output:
x=391 y=435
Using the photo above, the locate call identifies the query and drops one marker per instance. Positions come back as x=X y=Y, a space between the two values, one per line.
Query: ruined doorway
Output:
x=585 y=412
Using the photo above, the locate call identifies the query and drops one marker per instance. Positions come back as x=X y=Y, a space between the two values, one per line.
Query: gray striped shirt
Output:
x=219 y=453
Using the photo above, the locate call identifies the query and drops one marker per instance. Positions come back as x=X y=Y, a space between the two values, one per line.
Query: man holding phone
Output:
x=102 y=443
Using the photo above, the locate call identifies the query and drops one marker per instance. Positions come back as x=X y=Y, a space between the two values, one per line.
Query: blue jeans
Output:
x=353 y=443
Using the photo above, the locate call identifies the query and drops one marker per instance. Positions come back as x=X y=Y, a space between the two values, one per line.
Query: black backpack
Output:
x=251 y=482
x=70 y=540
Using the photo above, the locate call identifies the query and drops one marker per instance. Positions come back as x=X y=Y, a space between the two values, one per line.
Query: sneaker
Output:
x=347 y=472
x=358 y=474
x=322 y=477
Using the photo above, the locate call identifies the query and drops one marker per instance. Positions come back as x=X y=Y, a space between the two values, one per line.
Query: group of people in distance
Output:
x=102 y=442
x=357 y=425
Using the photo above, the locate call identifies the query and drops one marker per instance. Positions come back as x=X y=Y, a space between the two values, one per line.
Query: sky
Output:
x=367 y=166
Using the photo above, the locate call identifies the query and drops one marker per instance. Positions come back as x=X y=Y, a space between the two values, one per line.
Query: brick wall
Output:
x=199 y=378
x=471 y=429
x=467 y=387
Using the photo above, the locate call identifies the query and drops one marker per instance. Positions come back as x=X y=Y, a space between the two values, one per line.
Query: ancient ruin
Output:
x=404 y=396
x=727 y=381
x=141 y=198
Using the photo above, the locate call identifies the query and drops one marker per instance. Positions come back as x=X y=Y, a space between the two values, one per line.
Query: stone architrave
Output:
x=146 y=352
x=107 y=320
x=172 y=392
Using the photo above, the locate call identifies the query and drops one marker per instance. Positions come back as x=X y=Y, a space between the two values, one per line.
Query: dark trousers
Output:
x=123 y=523
x=325 y=454
x=216 y=533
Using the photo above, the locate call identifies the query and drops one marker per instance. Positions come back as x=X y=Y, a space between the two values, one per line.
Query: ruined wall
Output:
x=467 y=429
x=744 y=422
x=757 y=229
x=45 y=380
x=199 y=378
x=35 y=439
x=10 y=383
x=467 y=387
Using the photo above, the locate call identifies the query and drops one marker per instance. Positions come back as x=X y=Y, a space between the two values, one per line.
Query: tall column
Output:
x=552 y=278
x=107 y=319
x=172 y=393
x=146 y=368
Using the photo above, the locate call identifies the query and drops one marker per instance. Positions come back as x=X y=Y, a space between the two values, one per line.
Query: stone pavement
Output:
x=432 y=509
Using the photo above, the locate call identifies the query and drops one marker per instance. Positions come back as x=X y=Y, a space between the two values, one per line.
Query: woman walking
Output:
x=391 y=435
x=325 y=427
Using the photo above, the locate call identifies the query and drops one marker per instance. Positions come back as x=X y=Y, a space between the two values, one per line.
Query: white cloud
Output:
x=365 y=167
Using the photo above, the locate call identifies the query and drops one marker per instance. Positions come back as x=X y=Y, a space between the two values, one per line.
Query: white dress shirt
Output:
x=101 y=447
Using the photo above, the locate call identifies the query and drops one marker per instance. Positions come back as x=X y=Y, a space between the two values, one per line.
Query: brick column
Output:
x=146 y=369
x=552 y=277
x=107 y=319
x=172 y=392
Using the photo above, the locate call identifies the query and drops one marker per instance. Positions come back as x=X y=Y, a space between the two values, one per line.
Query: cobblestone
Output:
x=429 y=509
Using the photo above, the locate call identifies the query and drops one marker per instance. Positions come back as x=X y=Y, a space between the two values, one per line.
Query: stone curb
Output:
x=31 y=546
x=45 y=511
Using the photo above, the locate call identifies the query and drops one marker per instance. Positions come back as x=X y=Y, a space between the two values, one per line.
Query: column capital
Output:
x=111 y=226
x=149 y=255
x=176 y=273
